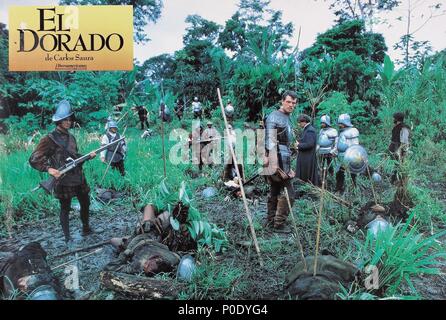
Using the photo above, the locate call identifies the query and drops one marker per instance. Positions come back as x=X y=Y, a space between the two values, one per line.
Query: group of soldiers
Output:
x=310 y=146
x=179 y=110
x=53 y=150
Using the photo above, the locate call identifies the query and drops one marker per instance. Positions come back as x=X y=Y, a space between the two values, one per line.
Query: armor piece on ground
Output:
x=209 y=192
x=186 y=268
x=326 y=119
x=345 y=120
x=376 y=177
x=356 y=159
x=379 y=224
x=330 y=274
x=44 y=292
x=27 y=270
x=63 y=111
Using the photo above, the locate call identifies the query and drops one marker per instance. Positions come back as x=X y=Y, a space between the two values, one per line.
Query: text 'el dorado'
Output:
x=66 y=38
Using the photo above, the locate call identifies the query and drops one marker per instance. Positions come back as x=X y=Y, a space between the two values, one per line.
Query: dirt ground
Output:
x=251 y=281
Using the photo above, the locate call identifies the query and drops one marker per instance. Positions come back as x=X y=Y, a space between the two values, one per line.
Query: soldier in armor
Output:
x=179 y=109
x=326 y=145
x=164 y=113
x=208 y=139
x=399 y=143
x=348 y=136
x=117 y=160
x=50 y=154
x=229 y=111
x=277 y=160
x=197 y=108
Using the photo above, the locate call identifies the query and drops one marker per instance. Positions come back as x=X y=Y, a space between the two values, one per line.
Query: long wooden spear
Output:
x=296 y=50
x=321 y=206
x=299 y=244
x=76 y=259
x=162 y=131
x=242 y=189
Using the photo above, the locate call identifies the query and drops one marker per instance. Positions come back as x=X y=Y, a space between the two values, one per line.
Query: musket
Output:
x=294 y=156
x=49 y=184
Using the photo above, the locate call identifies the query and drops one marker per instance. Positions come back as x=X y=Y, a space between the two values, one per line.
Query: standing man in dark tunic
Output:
x=179 y=109
x=50 y=154
x=142 y=114
x=278 y=139
x=399 y=144
x=306 y=168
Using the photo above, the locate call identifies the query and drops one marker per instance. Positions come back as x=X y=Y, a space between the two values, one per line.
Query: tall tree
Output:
x=248 y=25
x=144 y=11
x=418 y=14
x=200 y=29
x=345 y=59
x=367 y=10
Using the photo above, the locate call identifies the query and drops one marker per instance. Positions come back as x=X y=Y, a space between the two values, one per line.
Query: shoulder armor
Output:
x=350 y=133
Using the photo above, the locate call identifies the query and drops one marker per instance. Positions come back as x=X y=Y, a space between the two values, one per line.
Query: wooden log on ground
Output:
x=139 y=286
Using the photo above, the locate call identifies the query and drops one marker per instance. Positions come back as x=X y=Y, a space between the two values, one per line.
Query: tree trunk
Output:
x=139 y=286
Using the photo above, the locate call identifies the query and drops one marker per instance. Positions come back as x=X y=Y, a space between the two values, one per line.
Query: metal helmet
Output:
x=345 y=120
x=186 y=268
x=324 y=141
x=379 y=224
x=326 y=119
x=229 y=109
x=209 y=192
x=44 y=292
x=376 y=177
x=356 y=158
x=63 y=111
x=342 y=144
x=196 y=99
x=112 y=124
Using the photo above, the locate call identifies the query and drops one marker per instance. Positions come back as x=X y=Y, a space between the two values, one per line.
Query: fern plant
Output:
x=202 y=231
x=399 y=253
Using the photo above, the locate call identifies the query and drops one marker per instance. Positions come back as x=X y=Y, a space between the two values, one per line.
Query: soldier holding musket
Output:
x=50 y=154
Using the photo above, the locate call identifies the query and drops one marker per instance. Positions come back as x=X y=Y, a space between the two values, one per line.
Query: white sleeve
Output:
x=404 y=136
x=104 y=141
x=124 y=146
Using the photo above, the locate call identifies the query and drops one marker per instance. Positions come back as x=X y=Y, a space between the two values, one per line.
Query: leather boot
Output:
x=282 y=215
x=272 y=208
x=86 y=230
